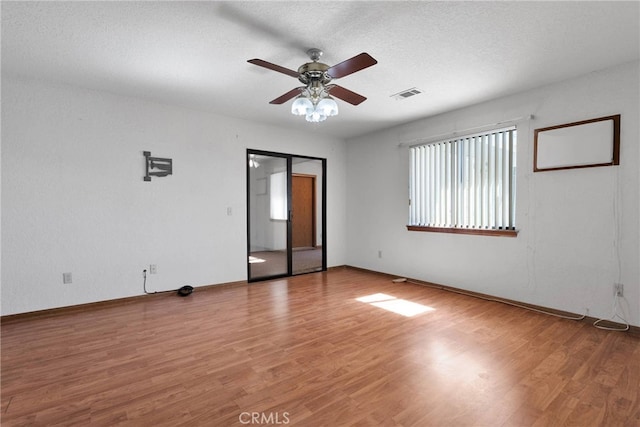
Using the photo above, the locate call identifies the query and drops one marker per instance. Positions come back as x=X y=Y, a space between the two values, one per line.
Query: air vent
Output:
x=406 y=93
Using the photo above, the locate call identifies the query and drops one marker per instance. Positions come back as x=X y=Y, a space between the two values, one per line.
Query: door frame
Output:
x=323 y=211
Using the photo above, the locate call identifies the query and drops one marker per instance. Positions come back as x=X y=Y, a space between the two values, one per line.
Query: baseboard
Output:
x=633 y=330
x=90 y=306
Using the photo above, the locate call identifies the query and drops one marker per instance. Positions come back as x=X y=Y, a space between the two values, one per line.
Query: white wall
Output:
x=579 y=229
x=73 y=198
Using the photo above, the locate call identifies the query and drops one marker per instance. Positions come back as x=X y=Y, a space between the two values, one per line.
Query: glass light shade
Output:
x=316 y=116
x=301 y=106
x=253 y=163
x=327 y=107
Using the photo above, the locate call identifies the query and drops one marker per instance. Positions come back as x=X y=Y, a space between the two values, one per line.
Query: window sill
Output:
x=497 y=233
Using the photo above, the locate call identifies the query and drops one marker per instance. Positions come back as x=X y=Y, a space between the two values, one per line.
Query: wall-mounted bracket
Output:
x=156 y=166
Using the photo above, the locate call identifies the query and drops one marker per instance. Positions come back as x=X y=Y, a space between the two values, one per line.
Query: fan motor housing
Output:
x=314 y=71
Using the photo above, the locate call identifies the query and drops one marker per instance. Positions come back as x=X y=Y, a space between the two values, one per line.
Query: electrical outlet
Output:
x=66 y=278
x=618 y=289
x=379 y=254
x=153 y=269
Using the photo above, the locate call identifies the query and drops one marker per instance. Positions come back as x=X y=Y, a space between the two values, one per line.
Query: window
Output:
x=465 y=185
x=278 y=188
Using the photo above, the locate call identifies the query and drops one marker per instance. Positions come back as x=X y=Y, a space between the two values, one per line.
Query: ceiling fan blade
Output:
x=274 y=67
x=287 y=96
x=346 y=95
x=350 y=66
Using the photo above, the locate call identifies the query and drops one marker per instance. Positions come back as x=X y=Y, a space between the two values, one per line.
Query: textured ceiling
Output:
x=194 y=54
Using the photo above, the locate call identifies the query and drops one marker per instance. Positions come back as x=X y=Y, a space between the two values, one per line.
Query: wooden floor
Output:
x=304 y=351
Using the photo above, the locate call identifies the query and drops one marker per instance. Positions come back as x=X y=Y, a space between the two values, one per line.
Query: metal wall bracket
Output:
x=156 y=166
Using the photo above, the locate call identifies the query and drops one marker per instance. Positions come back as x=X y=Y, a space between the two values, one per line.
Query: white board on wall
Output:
x=587 y=143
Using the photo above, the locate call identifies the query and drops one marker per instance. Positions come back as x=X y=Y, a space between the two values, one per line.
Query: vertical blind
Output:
x=468 y=182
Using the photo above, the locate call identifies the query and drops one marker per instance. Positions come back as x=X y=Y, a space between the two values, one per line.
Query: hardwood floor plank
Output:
x=308 y=348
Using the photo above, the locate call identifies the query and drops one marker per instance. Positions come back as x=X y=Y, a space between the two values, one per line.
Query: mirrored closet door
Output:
x=286 y=214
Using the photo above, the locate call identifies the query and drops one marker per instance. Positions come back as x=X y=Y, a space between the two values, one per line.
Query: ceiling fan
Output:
x=314 y=99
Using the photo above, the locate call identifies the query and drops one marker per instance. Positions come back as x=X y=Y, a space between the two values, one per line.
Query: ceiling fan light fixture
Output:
x=301 y=106
x=314 y=111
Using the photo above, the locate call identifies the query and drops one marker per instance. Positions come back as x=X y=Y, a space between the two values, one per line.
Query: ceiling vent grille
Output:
x=406 y=93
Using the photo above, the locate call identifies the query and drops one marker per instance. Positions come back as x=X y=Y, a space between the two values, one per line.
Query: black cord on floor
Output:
x=144 y=283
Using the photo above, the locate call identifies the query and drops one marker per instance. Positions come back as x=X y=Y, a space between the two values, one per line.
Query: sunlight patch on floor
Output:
x=255 y=260
x=375 y=298
x=395 y=305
